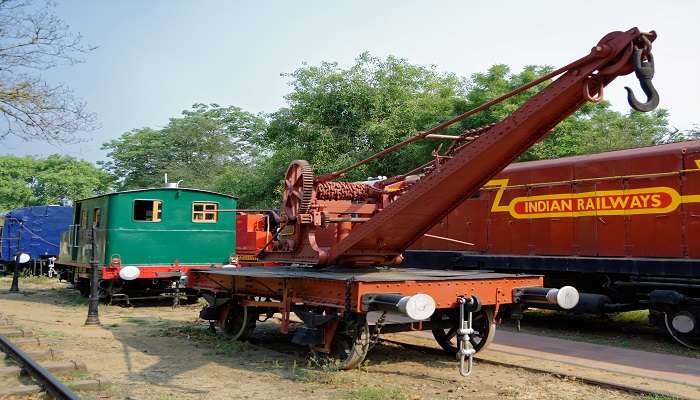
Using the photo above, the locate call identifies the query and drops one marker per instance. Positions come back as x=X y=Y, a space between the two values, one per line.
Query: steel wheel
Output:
x=681 y=325
x=240 y=323
x=350 y=344
x=483 y=324
x=298 y=189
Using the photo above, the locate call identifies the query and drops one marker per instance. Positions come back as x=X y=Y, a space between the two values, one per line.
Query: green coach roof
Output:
x=160 y=188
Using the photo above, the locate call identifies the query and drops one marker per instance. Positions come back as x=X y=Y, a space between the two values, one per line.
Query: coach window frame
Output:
x=96 y=217
x=84 y=218
x=156 y=211
x=205 y=211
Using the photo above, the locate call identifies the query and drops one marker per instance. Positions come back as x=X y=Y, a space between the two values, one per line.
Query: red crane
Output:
x=329 y=222
x=356 y=227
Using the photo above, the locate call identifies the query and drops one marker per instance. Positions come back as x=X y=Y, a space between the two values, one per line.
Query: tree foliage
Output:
x=203 y=144
x=594 y=128
x=26 y=181
x=34 y=39
x=336 y=116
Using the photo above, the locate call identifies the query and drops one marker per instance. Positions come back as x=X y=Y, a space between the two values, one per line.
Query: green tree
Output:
x=336 y=115
x=198 y=147
x=594 y=128
x=26 y=181
x=16 y=178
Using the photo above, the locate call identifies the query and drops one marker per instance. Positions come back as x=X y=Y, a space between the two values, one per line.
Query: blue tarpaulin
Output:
x=34 y=230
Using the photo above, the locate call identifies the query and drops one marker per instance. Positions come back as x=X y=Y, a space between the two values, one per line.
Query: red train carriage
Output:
x=623 y=226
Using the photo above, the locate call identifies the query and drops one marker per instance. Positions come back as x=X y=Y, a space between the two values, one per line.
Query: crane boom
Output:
x=365 y=223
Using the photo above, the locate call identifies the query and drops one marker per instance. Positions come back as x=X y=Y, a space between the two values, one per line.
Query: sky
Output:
x=156 y=58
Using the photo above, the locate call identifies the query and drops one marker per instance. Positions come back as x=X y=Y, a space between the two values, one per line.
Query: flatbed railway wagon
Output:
x=336 y=250
x=145 y=241
x=622 y=226
x=35 y=231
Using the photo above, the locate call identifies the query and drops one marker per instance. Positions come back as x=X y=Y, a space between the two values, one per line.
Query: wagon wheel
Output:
x=298 y=188
x=240 y=322
x=350 y=344
x=680 y=324
x=482 y=322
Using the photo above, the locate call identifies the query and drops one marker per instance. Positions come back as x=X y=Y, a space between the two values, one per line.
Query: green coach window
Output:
x=84 y=219
x=148 y=210
x=96 y=216
x=205 y=212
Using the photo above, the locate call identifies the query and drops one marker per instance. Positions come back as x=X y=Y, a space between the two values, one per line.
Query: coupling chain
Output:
x=374 y=337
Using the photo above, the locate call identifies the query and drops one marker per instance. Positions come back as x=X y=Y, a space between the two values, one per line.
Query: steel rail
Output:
x=45 y=379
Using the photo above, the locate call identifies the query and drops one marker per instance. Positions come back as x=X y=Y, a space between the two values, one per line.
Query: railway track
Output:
x=30 y=365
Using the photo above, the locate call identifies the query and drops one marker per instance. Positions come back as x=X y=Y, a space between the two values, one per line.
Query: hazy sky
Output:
x=156 y=58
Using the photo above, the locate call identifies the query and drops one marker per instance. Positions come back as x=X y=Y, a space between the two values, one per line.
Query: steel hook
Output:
x=644 y=70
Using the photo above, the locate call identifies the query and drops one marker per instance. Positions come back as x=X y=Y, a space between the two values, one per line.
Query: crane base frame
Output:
x=324 y=298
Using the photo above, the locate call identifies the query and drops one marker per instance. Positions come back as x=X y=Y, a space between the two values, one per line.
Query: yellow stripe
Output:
x=503 y=183
x=691 y=198
x=500 y=185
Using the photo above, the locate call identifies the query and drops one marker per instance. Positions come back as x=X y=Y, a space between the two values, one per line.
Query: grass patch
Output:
x=218 y=345
x=507 y=393
x=658 y=397
x=316 y=369
x=375 y=393
x=48 y=334
x=33 y=281
x=193 y=331
x=76 y=376
x=140 y=321
x=228 y=348
x=70 y=297
x=640 y=317
x=38 y=280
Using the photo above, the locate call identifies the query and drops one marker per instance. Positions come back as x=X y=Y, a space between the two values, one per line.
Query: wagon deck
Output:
x=343 y=287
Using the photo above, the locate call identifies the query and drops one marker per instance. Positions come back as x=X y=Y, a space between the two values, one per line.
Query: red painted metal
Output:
x=401 y=213
x=640 y=232
x=333 y=293
x=111 y=272
x=252 y=233
x=154 y=271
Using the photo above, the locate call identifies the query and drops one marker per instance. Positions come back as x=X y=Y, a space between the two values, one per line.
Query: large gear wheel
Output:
x=298 y=189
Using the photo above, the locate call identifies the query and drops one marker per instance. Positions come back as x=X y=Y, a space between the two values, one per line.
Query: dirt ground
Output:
x=161 y=353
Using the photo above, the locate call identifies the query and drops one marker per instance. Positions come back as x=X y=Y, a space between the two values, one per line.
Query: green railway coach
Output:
x=146 y=240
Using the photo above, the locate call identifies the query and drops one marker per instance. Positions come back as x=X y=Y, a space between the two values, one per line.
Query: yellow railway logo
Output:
x=651 y=200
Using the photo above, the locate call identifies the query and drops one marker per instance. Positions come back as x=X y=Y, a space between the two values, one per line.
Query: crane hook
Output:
x=644 y=70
